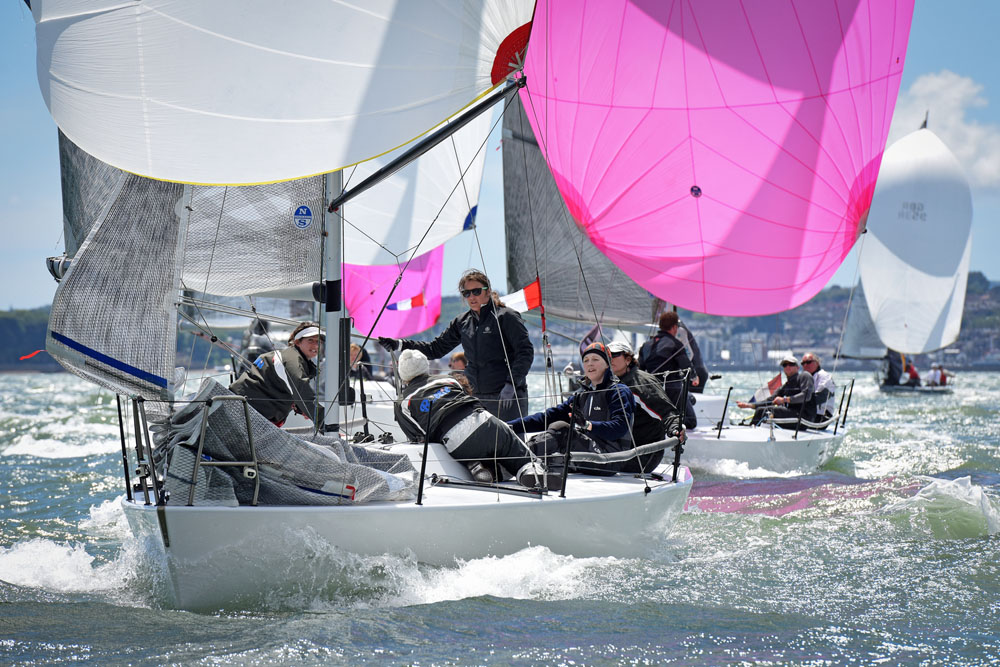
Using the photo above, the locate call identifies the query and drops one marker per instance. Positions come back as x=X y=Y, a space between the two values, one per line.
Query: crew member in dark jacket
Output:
x=664 y=353
x=280 y=381
x=602 y=411
x=495 y=342
x=438 y=408
x=793 y=398
x=656 y=417
x=693 y=350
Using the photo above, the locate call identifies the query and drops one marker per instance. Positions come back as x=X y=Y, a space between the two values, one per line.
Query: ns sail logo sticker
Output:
x=302 y=217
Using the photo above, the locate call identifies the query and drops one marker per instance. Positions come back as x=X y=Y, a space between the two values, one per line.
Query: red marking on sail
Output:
x=29 y=356
x=510 y=53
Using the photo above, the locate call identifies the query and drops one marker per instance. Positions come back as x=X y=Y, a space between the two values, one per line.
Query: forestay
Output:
x=861 y=339
x=294 y=90
x=915 y=261
x=723 y=154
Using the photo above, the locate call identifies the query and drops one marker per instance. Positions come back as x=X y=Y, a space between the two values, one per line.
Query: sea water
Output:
x=888 y=555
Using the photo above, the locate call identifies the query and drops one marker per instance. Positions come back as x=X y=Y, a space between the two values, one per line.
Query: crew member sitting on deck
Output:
x=280 y=381
x=794 y=398
x=602 y=412
x=436 y=407
x=824 y=388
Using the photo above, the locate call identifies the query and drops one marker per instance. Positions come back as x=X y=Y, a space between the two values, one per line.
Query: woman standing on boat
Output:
x=496 y=345
x=279 y=381
x=602 y=410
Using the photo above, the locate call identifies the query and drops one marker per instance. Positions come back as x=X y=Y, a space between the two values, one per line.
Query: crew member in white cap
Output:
x=281 y=381
x=792 y=399
x=437 y=407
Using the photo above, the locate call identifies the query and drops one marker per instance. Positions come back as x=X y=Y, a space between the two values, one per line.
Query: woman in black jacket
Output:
x=496 y=345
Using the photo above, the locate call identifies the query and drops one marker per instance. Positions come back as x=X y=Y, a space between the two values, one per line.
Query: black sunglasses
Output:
x=617 y=354
x=475 y=291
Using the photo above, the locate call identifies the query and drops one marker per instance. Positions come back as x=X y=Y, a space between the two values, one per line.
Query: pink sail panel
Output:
x=723 y=153
x=417 y=298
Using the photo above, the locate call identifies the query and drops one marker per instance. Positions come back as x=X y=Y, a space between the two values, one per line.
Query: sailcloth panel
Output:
x=861 y=339
x=414 y=306
x=114 y=320
x=723 y=154
x=243 y=240
x=89 y=186
x=252 y=91
x=418 y=208
x=915 y=262
x=542 y=234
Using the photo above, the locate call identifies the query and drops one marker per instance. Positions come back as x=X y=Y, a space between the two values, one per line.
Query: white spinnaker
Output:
x=915 y=263
x=253 y=91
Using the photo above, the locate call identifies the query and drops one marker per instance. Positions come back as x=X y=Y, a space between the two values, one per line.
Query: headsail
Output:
x=113 y=320
x=293 y=91
x=723 y=154
x=915 y=262
x=542 y=236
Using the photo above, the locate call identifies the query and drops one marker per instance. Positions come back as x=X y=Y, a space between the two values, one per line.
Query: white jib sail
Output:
x=253 y=91
x=915 y=262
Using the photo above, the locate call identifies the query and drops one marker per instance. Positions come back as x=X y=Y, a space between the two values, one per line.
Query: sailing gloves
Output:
x=507 y=399
x=390 y=344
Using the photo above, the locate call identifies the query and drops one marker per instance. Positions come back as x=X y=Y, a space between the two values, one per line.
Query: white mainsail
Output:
x=915 y=261
x=295 y=89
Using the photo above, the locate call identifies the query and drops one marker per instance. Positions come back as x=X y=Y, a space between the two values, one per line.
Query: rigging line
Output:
x=850 y=298
x=211 y=261
x=458 y=163
x=576 y=250
x=416 y=248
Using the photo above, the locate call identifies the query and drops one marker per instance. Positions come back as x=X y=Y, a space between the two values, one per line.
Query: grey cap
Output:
x=789 y=359
x=618 y=346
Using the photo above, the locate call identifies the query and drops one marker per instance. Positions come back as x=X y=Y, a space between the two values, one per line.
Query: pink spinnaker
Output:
x=367 y=287
x=722 y=153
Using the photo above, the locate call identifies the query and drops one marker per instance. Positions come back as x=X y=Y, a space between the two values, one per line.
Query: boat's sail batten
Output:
x=113 y=318
x=722 y=154
x=542 y=237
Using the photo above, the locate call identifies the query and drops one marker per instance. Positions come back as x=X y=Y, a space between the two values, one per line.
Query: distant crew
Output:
x=824 y=388
x=664 y=353
x=793 y=398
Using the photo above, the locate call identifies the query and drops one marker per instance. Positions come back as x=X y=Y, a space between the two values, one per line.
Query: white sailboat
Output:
x=915 y=261
x=209 y=481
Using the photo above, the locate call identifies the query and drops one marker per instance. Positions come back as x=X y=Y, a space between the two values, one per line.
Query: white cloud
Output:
x=947 y=96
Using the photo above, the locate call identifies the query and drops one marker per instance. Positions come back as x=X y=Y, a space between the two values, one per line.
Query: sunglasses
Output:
x=475 y=291
x=787 y=365
x=617 y=354
x=809 y=361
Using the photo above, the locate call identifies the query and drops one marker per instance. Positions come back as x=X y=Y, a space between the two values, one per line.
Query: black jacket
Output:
x=489 y=339
x=270 y=394
x=432 y=405
x=655 y=417
x=663 y=352
x=799 y=390
x=609 y=407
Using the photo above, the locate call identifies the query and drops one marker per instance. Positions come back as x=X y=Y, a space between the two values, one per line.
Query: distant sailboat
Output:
x=914 y=264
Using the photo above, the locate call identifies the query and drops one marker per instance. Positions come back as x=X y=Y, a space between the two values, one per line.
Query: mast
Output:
x=332 y=316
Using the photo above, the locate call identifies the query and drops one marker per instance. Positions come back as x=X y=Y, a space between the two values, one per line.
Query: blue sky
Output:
x=951 y=70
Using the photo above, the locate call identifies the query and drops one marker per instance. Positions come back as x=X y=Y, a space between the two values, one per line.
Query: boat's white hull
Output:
x=908 y=389
x=210 y=551
x=758 y=448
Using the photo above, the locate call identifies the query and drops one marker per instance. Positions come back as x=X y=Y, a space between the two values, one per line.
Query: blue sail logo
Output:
x=303 y=217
